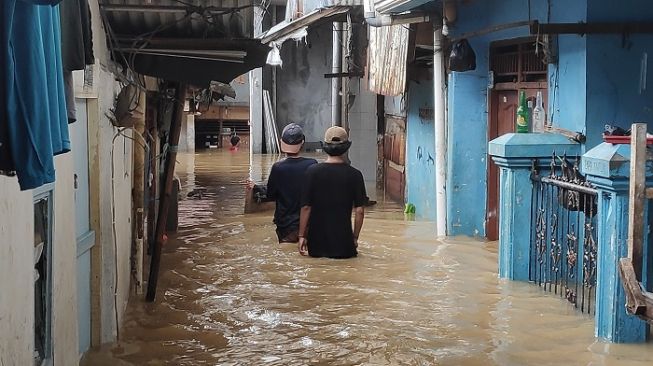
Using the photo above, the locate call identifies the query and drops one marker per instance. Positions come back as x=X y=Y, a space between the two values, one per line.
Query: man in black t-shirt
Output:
x=284 y=184
x=331 y=189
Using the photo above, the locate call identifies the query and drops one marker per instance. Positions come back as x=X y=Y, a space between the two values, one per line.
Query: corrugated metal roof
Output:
x=181 y=18
x=317 y=16
x=387 y=53
x=195 y=41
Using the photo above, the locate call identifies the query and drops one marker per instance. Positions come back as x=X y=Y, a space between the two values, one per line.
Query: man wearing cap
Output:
x=331 y=189
x=285 y=184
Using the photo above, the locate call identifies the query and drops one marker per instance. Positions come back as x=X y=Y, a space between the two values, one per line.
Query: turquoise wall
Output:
x=467 y=103
x=420 y=149
x=613 y=71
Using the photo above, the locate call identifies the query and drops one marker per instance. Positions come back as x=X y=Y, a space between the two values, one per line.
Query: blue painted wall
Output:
x=420 y=150
x=613 y=69
x=467 y=104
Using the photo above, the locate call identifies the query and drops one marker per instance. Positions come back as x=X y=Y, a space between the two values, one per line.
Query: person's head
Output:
x=292 y=139
x=336 y=141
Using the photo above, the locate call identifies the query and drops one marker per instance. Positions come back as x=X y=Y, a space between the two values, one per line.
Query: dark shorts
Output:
x=288 y=235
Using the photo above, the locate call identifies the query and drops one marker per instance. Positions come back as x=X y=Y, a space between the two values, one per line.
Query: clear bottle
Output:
x=539 y=115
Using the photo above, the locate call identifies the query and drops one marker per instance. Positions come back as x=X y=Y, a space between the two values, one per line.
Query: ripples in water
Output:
x=230 y=295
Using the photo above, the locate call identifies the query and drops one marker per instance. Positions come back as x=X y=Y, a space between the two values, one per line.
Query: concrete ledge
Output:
x=532 y=145
x=612 y=162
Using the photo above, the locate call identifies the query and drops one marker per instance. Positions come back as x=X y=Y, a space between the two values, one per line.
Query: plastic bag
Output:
x=462 y=57
x=274 y=56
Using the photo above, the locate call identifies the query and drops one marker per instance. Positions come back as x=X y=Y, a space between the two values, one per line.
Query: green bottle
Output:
x=522 y=114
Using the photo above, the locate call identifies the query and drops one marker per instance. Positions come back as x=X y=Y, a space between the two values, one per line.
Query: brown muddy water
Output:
x=229 y=294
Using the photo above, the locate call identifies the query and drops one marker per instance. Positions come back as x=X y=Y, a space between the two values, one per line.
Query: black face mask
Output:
x=336 y=149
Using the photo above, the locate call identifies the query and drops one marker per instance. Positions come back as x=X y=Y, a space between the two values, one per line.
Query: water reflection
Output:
x=230 y=295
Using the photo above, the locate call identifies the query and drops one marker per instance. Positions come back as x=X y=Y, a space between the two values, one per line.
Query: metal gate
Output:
x=563 y=233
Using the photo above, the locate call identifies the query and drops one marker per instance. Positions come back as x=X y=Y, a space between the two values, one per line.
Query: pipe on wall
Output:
x=439 y=92
x=336 y=68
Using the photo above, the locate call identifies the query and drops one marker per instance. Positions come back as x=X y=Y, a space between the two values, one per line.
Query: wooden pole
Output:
x=138 y=194
x=637 y=196
x=164 y=204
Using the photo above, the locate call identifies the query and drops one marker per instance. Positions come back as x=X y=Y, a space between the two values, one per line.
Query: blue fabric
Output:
x=37 y=124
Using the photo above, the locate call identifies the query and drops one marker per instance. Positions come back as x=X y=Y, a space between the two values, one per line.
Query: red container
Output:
x=623 y=140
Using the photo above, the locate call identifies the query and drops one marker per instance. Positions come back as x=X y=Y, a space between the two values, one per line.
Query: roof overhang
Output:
x=397 y=6
x=191 y=41
x=283 y=30
x=195 y=61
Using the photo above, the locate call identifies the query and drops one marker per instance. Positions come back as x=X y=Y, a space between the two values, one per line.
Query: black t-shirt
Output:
x=332 y=190
x=284 y=187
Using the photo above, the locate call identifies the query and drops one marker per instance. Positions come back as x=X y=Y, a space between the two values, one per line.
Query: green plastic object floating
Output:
x=409 y=209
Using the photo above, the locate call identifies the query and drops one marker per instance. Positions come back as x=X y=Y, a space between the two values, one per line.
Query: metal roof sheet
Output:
x=194 y=41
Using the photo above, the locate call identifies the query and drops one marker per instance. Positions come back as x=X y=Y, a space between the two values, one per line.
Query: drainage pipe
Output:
x=439 y=105
x=336 y=68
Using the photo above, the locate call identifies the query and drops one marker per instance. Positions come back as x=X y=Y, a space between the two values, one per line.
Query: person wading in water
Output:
x=285 y=184
x=330 y=191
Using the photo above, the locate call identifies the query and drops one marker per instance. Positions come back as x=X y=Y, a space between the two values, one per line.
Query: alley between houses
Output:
x=231 y=295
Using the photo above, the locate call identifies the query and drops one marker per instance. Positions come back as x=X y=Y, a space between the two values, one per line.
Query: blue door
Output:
x=85 y=236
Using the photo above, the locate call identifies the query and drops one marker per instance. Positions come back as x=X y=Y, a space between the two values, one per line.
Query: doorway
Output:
x=516 y=66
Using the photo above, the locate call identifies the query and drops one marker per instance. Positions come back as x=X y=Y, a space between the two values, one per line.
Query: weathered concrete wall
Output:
x=420 y=149
x=17 y=270
x=615 y=93
x=16 y=274
x=115 y=193
x=467 y=98
x=363 y=132
x=303 y=94
x=115 y=200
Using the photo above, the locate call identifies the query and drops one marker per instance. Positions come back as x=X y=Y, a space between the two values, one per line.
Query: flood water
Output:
x=229 y=294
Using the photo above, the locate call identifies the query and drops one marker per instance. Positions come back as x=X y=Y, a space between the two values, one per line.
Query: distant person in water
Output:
x=235 y=142
x=284 y=184
x=331 y=189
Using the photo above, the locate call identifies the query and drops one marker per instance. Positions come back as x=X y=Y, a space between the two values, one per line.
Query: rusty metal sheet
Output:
x=387 y=53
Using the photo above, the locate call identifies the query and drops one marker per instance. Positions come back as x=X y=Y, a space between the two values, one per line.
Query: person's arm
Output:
x=358 y=222
x=360 y=199
x=304 y=216
x=305 y=212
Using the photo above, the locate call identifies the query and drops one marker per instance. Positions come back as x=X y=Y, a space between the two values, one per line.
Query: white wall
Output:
x=17 y=274
x=17 y=233
x=115 y=194
x=121 y=188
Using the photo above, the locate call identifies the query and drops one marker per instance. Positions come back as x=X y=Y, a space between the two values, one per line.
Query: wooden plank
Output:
x=635 y=300
x=637 y=197
x=93 y=110
x=138 y=192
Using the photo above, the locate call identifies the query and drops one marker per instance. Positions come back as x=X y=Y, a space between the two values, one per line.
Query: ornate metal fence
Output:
x=563 y=235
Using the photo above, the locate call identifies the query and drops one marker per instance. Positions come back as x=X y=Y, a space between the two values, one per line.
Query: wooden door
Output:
x=503 y=108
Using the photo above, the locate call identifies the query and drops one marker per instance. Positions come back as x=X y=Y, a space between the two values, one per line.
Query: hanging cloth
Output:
x=33 y=89
x=76 y=45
